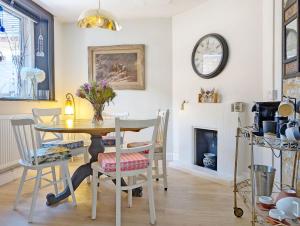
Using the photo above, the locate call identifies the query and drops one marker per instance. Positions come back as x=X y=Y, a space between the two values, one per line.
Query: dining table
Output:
x=86 y=126
x=80 y=126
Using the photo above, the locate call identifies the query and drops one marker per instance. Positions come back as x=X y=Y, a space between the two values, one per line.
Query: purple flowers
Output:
x=96 y=93
x=103 y=83
x=87 y=87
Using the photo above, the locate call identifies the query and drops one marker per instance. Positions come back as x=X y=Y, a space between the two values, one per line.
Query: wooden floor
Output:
x=190 y=201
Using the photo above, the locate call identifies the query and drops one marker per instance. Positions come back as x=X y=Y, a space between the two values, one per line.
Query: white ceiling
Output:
x=69 y=10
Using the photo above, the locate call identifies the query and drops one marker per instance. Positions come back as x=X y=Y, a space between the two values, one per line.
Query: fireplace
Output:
x=206 y=150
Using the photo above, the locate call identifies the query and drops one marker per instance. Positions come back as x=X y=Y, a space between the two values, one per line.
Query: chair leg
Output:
x=118 y=201
x=20 y=188
x=130 y=183
x=156 y=169
x=94 y=194
x=62 y=176
x=86 y=158
x=151 y=196
x=35 y=194
x=164 y=163
x=68 y=179
x=54 y=179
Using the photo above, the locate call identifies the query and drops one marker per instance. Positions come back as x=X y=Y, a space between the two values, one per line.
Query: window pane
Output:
x=10 y=43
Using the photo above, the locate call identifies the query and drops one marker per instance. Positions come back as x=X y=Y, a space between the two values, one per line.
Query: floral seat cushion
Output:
x=51 y=154
x=129 y=161
x=110 y=141
x=70 y=144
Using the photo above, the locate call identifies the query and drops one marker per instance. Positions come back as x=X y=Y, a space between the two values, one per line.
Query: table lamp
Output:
x=70 y=105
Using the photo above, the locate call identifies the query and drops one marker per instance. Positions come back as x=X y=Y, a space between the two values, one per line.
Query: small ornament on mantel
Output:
x=208 y=96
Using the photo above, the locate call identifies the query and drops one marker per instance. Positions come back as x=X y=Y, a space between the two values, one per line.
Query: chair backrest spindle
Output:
x=26 y=138
x=163 y=128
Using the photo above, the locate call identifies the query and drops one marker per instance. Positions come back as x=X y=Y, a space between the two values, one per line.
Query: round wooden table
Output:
x=84 y=126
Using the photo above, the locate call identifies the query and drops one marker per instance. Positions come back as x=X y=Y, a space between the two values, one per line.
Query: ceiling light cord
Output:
x=99 y=4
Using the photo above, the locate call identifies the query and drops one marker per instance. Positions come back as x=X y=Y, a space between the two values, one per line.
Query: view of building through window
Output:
x=19 y=78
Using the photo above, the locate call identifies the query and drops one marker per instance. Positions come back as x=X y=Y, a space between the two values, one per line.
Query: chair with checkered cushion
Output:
x=160 y=153
x=127 y=163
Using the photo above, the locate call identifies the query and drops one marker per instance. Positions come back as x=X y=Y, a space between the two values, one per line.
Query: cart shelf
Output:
x=244 y=191
x=245 y=187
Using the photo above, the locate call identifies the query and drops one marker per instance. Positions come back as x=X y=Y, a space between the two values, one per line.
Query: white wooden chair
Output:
x=160 y=152
x=110 y=139
x=28 y=142
x=39 y=116
x=130 y=163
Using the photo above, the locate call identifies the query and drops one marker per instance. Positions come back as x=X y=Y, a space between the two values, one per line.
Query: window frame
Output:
x=37 y=13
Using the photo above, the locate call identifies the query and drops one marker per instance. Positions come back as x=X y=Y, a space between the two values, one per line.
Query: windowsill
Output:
x=25 y=100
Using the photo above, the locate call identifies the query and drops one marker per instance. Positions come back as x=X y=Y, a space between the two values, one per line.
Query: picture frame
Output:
x=122 y=66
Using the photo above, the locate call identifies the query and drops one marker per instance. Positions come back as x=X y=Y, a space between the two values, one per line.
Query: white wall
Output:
x=154 y=33
x=240 y=23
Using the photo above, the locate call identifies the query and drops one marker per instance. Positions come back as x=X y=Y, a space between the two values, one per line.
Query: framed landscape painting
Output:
x=122 y=66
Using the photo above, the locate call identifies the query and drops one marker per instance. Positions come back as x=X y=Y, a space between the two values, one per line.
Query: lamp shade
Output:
x=70 y=105
x=98 y=18
x=69 y=109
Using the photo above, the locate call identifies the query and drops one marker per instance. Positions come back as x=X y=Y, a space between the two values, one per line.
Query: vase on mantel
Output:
x=98 y=109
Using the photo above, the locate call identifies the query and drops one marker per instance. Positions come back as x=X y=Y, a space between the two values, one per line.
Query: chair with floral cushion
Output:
x=76 y=147
x=127 y=163
x=37 y=159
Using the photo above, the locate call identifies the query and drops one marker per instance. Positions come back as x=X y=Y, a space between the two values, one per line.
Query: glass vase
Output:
x=98 y=119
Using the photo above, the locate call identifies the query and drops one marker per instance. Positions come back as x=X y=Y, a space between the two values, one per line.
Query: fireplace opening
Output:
x=206 y=151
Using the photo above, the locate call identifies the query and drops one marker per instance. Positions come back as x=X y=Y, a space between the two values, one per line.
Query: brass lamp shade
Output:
x=69 y=108
x=70 y=105
x=98 y=18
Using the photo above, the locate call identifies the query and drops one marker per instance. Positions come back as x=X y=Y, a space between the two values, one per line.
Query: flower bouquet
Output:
x=98 y=94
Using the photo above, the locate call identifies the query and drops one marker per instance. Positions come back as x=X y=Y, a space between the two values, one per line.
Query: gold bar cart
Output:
x=246 y=188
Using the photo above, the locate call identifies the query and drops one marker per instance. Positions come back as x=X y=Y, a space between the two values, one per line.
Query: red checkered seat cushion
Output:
x=129 y=161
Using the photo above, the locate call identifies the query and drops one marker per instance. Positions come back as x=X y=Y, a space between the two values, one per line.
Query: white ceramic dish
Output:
x=290 y=205
x=277 y=214
x=266 y=200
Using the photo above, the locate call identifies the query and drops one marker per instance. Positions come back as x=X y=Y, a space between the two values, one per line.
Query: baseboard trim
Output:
x=204 y=173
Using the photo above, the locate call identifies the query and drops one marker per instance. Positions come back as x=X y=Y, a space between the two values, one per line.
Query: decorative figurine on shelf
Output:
x=208 y=96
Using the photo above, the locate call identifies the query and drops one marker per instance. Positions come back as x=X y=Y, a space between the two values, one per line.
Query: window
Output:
x=26 y=52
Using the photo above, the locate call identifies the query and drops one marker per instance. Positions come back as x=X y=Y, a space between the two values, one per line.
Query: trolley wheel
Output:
x=238 y=212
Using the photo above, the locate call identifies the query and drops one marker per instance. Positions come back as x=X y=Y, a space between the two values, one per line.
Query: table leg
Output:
x=96 y=147
x=81 y=172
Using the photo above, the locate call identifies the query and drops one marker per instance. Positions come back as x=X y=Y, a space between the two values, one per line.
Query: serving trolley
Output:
x=246 y=188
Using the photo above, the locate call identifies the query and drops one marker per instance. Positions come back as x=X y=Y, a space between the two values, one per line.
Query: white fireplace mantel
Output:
x=212 y=117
